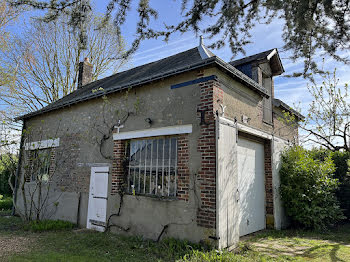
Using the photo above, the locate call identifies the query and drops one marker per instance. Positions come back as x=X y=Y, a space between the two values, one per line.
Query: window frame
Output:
x=168 y=167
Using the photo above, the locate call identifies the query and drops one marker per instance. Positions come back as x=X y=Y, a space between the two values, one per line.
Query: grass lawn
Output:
x=16 y=244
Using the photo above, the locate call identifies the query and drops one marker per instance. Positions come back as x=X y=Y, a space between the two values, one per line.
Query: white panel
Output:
x=251 y=186
x=280 y=218
x=163 y=131
x=253 y=131
x=227 y=206
x=98 y=193
x=42 y=144
x=100 y=185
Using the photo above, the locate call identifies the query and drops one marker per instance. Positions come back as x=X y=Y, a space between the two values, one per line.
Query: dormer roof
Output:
x=271 y=56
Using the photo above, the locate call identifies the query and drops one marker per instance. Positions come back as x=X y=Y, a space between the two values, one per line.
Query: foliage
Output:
x=308 y=189
x=6 y=203
x=8 y=165
x=309 y=26
x=49 y=225
x=342 y=167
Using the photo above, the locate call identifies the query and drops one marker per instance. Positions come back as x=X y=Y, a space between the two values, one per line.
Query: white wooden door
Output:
x=251 y=186
x=97 y=208
x=227 y=178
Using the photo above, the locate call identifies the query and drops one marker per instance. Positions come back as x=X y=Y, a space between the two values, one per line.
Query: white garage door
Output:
x=251 y=186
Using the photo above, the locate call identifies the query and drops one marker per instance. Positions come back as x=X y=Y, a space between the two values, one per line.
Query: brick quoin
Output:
x=183 y=172
x=268 y=178
x=118 y=169
x=210 y=94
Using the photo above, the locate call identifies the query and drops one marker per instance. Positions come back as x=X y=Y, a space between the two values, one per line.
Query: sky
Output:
x=292 y=91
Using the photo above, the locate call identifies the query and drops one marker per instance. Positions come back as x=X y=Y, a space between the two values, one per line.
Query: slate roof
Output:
x=275 y=62
x=248 y=59
x=169 y=66
x=279 y=103
x=172 y=65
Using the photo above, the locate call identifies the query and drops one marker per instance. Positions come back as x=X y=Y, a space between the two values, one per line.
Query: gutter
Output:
x=209 y=61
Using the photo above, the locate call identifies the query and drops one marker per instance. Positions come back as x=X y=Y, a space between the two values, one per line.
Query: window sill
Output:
x=160 y=198
x=268 y=123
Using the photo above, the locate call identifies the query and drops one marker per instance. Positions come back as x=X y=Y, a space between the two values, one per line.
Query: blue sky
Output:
x=290 y=90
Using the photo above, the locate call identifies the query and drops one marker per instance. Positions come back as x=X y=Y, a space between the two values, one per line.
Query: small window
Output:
x=152 y=167
x=41 y=165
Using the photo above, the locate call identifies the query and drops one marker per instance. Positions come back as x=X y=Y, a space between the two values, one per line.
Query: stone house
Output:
x=185 y=147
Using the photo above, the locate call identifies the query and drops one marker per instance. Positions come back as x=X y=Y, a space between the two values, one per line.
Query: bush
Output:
x=341 y=161
x=8 y=164
x=49 y=225
x=308 y=189
x=5 y=203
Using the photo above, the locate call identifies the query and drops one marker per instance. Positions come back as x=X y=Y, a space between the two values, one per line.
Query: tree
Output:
x=46 y=58
x=7 y=16
x=328 y=119
x=309 y=26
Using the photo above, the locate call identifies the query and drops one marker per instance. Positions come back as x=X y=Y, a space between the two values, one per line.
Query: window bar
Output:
x=144 y=173
x=150 y=168
x=163 y=169
x=157 y=168
x=139 y=189
x=134 y=181
x=175 y=167
x=169 y=166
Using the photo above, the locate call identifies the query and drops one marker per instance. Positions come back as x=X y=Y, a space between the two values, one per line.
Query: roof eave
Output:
x=279 y=103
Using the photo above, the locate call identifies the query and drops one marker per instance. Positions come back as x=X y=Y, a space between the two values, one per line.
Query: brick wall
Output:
x=118 y=168
x=210 y=93
x=268 y=184
x=183 y=172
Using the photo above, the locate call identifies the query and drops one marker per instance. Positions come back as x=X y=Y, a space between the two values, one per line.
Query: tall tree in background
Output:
x=7 y=16
x=46 y=59
x=328 y=119
x=309 y=25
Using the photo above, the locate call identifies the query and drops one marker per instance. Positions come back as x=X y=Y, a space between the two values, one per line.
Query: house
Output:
x=186 y=147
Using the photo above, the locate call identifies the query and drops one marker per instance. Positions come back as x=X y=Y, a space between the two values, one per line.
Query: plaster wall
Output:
x=77 y=127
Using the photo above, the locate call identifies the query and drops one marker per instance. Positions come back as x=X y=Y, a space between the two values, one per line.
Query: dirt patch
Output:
x=14 y=244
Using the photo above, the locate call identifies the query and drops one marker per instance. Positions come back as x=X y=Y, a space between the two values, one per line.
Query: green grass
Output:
x=49 y=225
x=83 y=245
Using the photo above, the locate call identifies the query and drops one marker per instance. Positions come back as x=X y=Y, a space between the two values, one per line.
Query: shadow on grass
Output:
x=332 y=245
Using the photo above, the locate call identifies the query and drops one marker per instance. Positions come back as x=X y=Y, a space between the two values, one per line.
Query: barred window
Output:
x=152 y=166
x=41 y=165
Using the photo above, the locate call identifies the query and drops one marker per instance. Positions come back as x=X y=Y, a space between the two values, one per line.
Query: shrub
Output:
x=5 y=203
x=49 y=225
x=308 y=189
x=342 y=162
x=8 y=164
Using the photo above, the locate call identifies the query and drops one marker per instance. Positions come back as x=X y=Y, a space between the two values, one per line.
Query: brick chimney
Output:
x=85 y=73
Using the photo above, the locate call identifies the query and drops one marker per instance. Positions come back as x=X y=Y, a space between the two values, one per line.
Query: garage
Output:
x=251 y=185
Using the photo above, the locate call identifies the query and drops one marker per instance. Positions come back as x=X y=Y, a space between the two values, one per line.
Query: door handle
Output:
x=237 y=195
